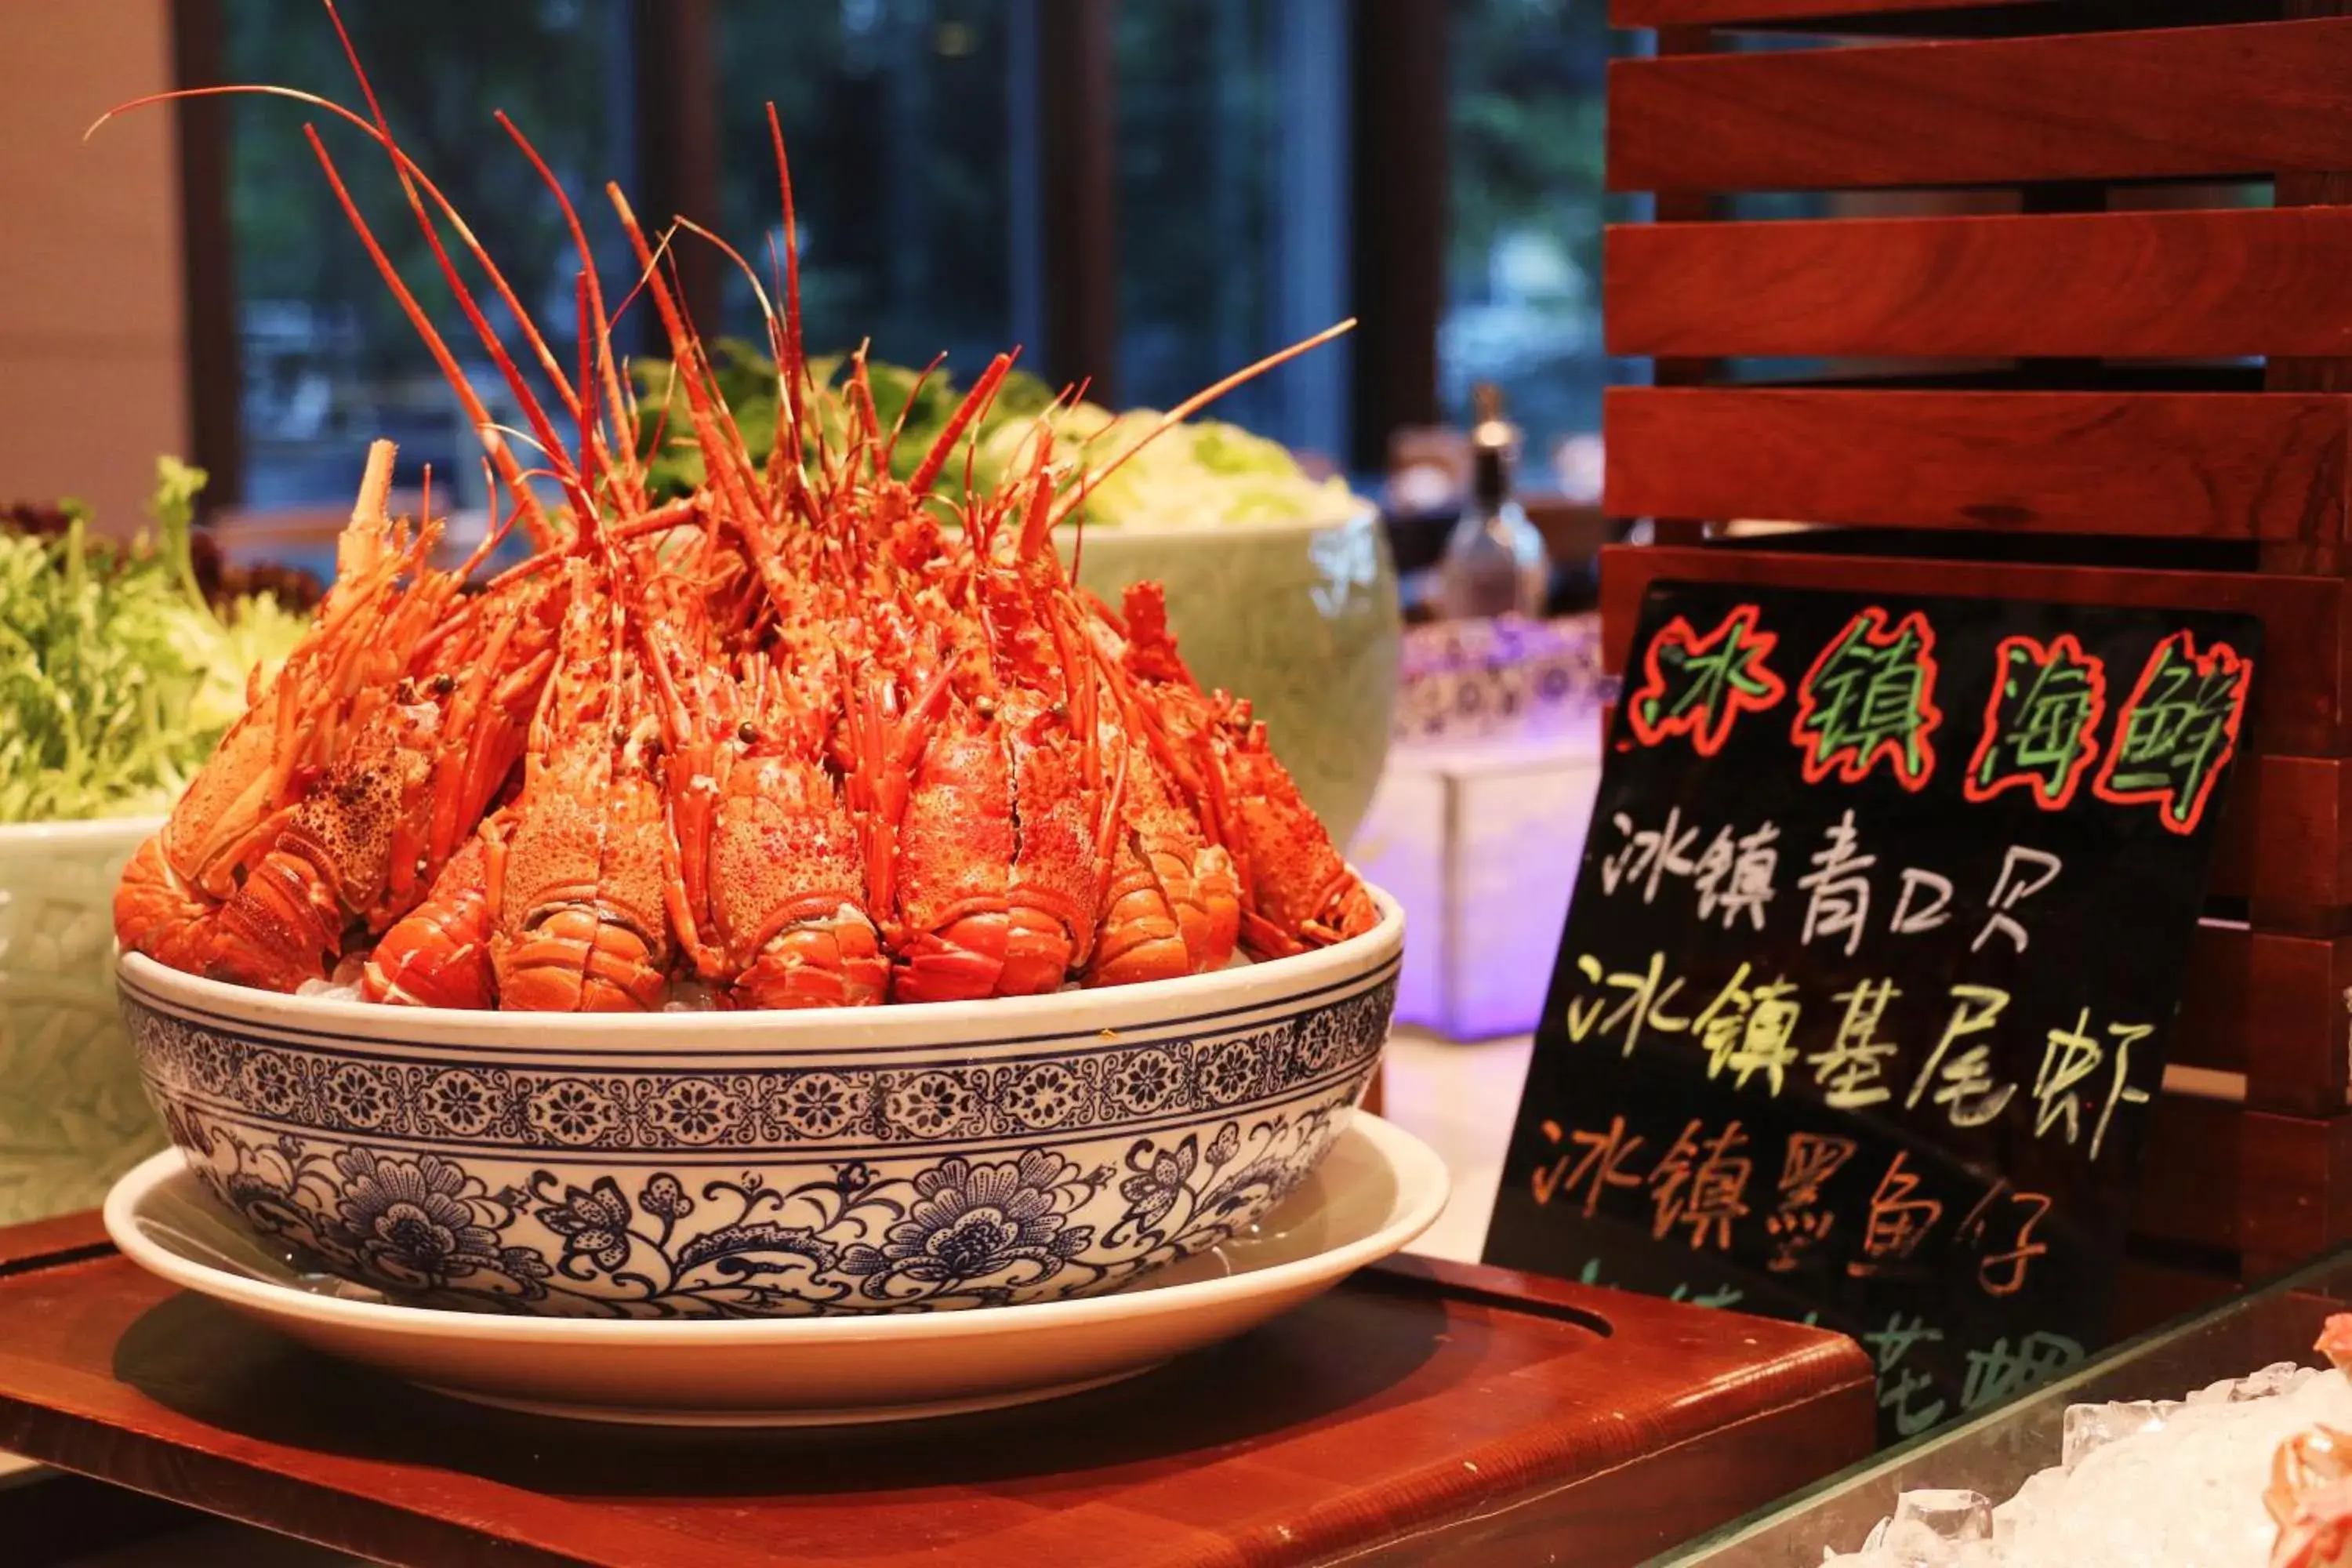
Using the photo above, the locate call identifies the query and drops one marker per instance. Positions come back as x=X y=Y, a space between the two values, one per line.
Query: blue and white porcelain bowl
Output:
x=757 y=1165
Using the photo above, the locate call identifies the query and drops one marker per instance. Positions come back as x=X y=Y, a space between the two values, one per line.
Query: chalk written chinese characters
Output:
x=1867 y=983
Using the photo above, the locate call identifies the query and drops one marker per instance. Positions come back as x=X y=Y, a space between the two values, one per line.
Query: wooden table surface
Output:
x=1427 y=1411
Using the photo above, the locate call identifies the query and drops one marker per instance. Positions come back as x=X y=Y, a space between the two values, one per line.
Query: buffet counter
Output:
x=1423 y=1411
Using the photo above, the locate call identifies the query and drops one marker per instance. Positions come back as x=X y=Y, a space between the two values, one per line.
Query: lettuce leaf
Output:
x=116 y=678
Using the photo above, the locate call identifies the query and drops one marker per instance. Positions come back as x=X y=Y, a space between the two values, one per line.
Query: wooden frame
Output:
x=217 y=439
x=673 y=48
x=1399 y=206
x=1079 y=103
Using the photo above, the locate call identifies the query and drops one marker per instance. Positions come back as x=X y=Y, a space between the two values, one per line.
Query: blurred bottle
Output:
x=1494 y=563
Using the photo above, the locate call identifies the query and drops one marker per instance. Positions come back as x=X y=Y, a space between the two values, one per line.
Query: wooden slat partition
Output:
x=2270 y=1188
x=2128 y=284
x=2178 y=102
x=2294 y=1188
x=2188 y=1174
x=2273 y=1188
x=2205 y=465
x=2220 y=974
x=2104 y=312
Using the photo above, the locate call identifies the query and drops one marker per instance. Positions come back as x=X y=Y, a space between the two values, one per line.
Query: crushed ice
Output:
x=343 y=985
x=689 y=996
x=2139 y=1484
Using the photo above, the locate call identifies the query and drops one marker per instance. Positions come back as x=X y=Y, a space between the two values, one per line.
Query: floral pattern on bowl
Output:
x=492 y=1169
x=1482 y=679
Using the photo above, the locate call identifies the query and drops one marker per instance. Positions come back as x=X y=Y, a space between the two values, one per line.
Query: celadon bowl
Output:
x=1301 y=618
x=914 y=1158
x=72 y=1118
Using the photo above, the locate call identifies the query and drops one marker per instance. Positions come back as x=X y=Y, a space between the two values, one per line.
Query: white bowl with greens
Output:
x=1301 y=617
x=73 y=1114
x=117 y=675
x=1280 y=587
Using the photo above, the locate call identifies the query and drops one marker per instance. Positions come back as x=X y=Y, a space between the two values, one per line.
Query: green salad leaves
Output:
x=116 y=677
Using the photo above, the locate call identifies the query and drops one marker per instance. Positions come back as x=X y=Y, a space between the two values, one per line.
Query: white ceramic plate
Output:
x=1378 y=1189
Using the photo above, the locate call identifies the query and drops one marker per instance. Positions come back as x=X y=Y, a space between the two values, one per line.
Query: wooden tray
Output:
x=1430 y=1412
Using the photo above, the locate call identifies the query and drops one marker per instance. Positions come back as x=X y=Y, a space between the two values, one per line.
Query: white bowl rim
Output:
x=1149 y=1005
x=79 y=829
x=1423 y=1185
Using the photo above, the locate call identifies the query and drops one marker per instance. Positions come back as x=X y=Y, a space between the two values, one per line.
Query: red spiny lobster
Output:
x=1295 y=890
x=575 y=901
x=343 y=790
x=438 y=954
x=787 y=730
x=767 y=884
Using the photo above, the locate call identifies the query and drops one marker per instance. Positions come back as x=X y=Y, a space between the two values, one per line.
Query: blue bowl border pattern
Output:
x=762 y=1182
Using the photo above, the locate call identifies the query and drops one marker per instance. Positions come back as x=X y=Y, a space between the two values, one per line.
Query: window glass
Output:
x=330 y=363
x=1232 y=173
x=1523 y=257
x=899 y=119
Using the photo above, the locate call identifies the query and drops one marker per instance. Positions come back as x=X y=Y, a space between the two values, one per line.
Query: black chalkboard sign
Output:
x=1868 y=978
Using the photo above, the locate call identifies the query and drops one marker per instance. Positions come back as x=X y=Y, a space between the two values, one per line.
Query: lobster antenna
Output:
x=898 y=425
x=794 y=362
x=606 y=365
x=541 y=531
x=401 y=167
x=705 y=428
x=983 y=393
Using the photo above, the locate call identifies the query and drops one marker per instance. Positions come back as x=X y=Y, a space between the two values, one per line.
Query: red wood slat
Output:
x=2278 y=1188
x=2249 y=281
x=2272 y=1008
x=2302 y=698
x=2188 y=1174
x=2294 y=1189
x=2287 y=839
x=2214 y=464
x=2251 y=98
x=2220 y=965
x=1678 y=13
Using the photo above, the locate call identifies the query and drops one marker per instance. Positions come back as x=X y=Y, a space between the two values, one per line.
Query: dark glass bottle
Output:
x=1494 y=564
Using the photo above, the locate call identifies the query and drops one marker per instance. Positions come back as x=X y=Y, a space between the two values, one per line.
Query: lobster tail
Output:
x=1140 y=939
x=161 y=914
x=834 y=961
x=578 y=960
x=955 y=854
x=283 y=927
x=438 y=954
